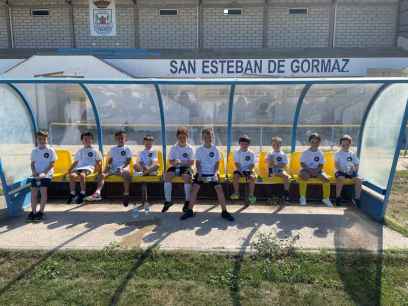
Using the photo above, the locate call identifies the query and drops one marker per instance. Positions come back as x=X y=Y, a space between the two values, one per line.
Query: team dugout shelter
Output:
x=374 y=111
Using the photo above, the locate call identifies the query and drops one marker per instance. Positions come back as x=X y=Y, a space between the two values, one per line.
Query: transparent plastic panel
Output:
x=333 y=110
x=133 y=108
x=264 y=111
x=380 y=135
x=16 y=136
x=64 y=111
x=195 y=107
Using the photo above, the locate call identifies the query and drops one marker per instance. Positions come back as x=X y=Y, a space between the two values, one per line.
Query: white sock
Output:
x=167 y=191
x=187 y=191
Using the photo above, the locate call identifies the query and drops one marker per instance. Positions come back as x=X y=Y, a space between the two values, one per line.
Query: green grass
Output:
x=156 y=278
x=397 y=210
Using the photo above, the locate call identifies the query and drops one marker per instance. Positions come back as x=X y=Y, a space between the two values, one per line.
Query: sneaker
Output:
x=234 y=196
x=166 y=206
x=79 y=199
x=285 y=196
x=38 y=217
x=94 y=197
x=126 y=199
x=185 y=206
x=188 y=214
x=338 y=201
x=252 y=199
x=327 y=202
x=357 y=202
x=302 y=201
x=227 y=216
x=71 y=198
x=30 y=217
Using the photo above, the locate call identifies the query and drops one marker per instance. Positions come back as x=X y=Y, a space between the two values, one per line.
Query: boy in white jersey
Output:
x=181 y=161
x=312 y=162
x=86 y=160
x=244 y=160
x=43 y=158
x=118 y=162
x=207 y=160
x=277 y=161
x=347 y=164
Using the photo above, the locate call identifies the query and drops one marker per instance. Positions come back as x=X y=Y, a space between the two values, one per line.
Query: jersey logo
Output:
x=185 y=155
x=247 y=158
x=212 y=154
x=279 y=159
x=349 y=158
x=90 y=154
x=46 y=155
x=316 y=159
x=150 y=155
x=123 y=153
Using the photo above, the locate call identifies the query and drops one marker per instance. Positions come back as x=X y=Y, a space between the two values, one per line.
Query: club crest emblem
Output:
x=247 y=158
x=150 y=155
x=349 y=159
x=123 y=153
x=185 y=155
x=279 y=159
x=211 y=154
x=90 y=154
x=316 y=159
x=46 y=155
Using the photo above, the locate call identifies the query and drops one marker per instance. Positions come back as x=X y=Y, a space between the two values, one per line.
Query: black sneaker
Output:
x=185 y=206
x=357 y=202
x=30 y=217
x=79 y=199
x=38 y=217
x=338 y=201
x=188 y=214
x=166 y=206
x=71 y=198
x=126 y=199
x=227 y=216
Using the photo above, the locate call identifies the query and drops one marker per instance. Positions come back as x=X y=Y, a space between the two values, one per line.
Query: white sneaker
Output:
x=302 y=201
x=327 y=202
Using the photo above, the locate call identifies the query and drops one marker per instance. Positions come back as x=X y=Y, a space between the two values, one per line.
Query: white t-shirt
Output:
x=245 y=159
x=42 y=159
x=119 y=156
x=87 y=158
x=277 y=157
x=148 y=157
x=312 y=159
x=346 y=159
x=184 y=154
x=208 y=157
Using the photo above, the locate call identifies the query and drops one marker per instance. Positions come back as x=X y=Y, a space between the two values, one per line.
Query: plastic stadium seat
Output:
x=263 y=171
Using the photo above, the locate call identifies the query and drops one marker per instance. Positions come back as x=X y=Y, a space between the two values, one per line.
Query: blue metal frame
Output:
x=95 y=110
x=229 y=123
x=296 y=116
x=163 y=125
x=4 y=185
x=365 y=115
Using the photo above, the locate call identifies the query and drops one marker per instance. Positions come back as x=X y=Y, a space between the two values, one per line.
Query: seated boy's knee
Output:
x=126 y=173
x=82 y=175
x=186 y=177
x=237 y=176
x=73 y=176
x=251 y=179
x=168 y=176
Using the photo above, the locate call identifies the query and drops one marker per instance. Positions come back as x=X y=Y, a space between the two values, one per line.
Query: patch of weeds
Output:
x=268 y=245
x=228 y=279
x=111 y=249
x=50 y=269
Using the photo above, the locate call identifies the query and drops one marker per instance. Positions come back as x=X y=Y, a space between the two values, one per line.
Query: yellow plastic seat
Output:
x=62 y=165
x=263 y=171
x=221 y=167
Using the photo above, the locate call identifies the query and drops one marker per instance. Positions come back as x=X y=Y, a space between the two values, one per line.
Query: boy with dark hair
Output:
x=118 y=162
x=43 y=158
x=86 y=161
x=244 y=160
x=312 y=162
x=207 y=159
x=181 y=162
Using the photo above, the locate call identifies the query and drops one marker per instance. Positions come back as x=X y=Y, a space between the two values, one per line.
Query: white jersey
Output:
x=207 y=157
x=119 y=156
x=87 y=158
x=312 y=159
x=245 y=159
x=277 y=157
x=184 y=154
x=148 y=157
x=42 y=158
x=346 y=160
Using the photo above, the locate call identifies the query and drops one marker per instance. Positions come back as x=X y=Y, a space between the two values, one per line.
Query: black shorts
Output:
x=183 y=170
x=347 y=176
x=245 y=174
x=275 y=170
x=200 y=182
x=44 y=182
x=78 y=172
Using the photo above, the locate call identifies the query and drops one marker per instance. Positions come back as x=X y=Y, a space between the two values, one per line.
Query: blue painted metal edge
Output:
x=97 y=120
x=163 y=125
x=374 y=187
x=297 y=115
x=370 y=104
x=4 y=185
x=395 y=160
x=229 y=124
